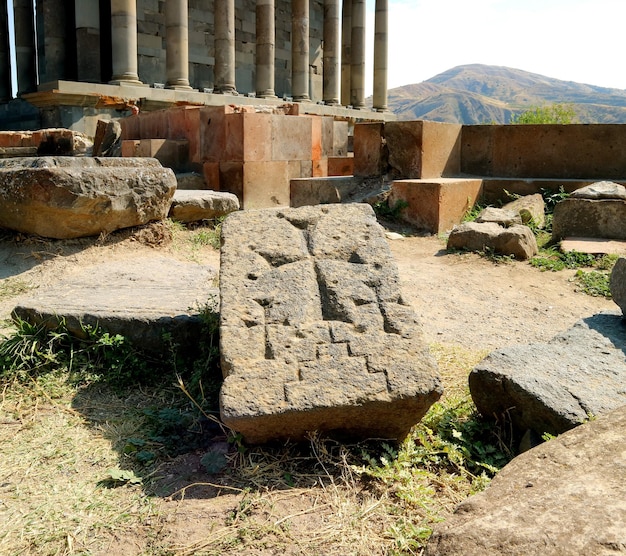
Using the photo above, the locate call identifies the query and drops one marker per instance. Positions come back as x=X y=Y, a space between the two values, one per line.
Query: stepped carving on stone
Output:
x=69 y=197
x=314 y=333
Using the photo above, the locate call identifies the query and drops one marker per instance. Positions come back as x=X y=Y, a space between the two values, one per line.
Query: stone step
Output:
x=594 y=246
x=141 y=299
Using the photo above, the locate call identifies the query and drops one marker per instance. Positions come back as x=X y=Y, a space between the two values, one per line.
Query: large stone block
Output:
x=420 y=149
x=170 y=153
x=184 y=124
x=340 y=165
x=563 y=498
x=68 y=197
x=322 y=191
x=435 y=205
x=213 y=132
x=314 y=334
x=248 y=137
x=369 y=152
x=292 y=137
x=580 y=217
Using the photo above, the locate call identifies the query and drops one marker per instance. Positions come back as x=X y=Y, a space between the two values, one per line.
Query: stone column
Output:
x=357 y=58
x=177 y=44
x=56 y=45
x=25 y=46
x=346 y=37
x=5 y=56
x=380 y=56
x=265 y=48
x=300 y=50
x=225 y=46
x=331 y=51
x=124 y=42
x=87 y=14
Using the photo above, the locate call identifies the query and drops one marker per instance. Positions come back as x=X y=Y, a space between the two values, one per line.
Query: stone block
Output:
x=321 y=191
x=320 y=168
x=196 y=205
x=231 y=179
x=340 y=138
x=211 y=173
x=266 y=184
x=130 y=127
x=340 y=165
x=153 y=125
x=248 y=137
x=292 y=137
x=591 y=218
x=435 y=205
x=213 y=132
x=68 y=197
x=184 y=124
x=370 y=157
x=314 y=335
x=421 y=149
x=171 y=154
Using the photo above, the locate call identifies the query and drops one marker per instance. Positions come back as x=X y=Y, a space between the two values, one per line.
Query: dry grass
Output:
x=60 y=442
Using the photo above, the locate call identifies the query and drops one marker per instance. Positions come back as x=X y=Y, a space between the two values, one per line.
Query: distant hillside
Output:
x=480 y=94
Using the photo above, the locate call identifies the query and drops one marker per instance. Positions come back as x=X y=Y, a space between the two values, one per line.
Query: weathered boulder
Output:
x=516 y=240
x=531 y=208
x=68 y=197
x=141 y=299
x=201 y=204
x=618 y=284
x=594 y=211
x=600 y=190
x=555 y=386
x=566 y=497
x=314 y=334
x=499 y=216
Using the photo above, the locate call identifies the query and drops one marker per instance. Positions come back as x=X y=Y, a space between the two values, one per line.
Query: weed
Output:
x=595 y=283
x=472 y=213
x=383 y=210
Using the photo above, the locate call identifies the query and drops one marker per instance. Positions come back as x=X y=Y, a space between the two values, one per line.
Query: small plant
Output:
x=384 y=210
x=594 y=283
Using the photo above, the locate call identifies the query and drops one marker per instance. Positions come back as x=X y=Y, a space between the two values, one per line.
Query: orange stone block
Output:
x=153 y=125
x=435 y=205
x=211 y=173
x=292 y=137
x=130 y=127
x=184 y=123
x=340 y=165
x=248 y=137
x=213 y=132
x=369 y=157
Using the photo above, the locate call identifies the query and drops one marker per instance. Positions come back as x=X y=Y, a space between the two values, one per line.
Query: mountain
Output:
x=481 y=94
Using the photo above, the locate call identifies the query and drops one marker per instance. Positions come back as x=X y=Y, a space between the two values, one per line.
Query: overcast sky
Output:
x=573 y=40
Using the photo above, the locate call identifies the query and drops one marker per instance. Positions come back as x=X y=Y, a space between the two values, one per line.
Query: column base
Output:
x=226 y=90
x=128 y=82
x=179 y=87
x=266 y=94
x=303 y=98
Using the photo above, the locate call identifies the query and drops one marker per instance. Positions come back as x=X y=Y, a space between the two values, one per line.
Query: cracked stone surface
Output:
x=554 y=387
x=315 y=335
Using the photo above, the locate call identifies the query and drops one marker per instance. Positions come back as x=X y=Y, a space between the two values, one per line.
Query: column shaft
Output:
x=357 y=59
x=300 y=49
x=265 y=48
x=5 y=56
x=87 y=15
x=225 y=46
x=380 y=56
x=331 y=51
x=346 y=37
x=25 y=46
x=124 y=41
x=177 y=44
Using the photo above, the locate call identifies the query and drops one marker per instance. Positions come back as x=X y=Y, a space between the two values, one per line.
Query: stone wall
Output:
x=151 y=45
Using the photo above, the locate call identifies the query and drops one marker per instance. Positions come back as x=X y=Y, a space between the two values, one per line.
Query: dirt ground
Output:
x=462 y=300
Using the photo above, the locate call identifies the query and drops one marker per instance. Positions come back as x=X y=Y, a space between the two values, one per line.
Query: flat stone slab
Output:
x=314 y=333
x=193 y=205
x=566 y=497
x=554 y=387
x=594 y=246
x=583 y=217
x=140 y=299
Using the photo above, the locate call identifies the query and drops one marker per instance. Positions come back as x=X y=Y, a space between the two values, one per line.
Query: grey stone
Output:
x=499 y=216
x=566 y=497
x=139 y=299
x=314 y=334
x=617 y=284
x=589 y=218
x=555 y=386
x=69 y=197
x=202 y=204
x=190 y=180
x=518 y=240
x=108 y=138
x=600 y=190
x=531 y=208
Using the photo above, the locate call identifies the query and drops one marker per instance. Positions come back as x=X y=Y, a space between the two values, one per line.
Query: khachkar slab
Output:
x=314 y=333
x=64 y=197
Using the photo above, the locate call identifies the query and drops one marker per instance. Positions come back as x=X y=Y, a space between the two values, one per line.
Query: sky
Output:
x=572 y=40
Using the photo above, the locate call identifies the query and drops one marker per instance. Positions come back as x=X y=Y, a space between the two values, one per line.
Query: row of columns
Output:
x=343 y=60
